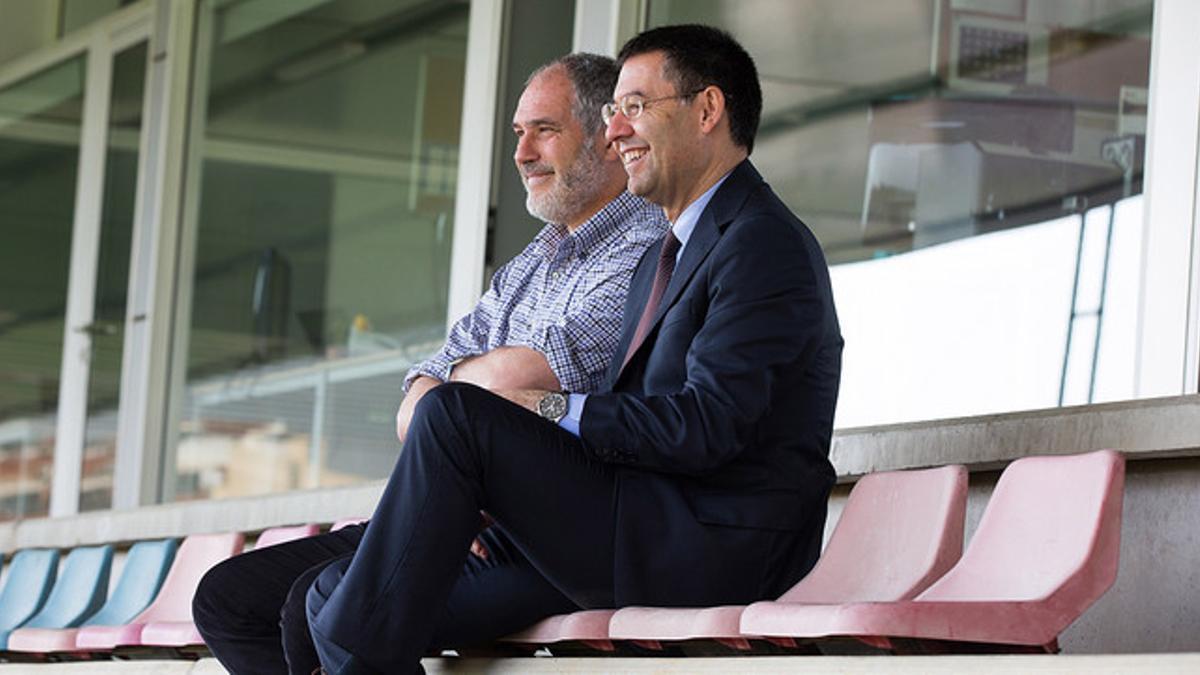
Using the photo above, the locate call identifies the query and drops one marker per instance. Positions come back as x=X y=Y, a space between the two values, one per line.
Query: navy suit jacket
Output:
x=720 y=423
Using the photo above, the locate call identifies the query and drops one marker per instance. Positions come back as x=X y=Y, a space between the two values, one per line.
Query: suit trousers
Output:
x=380 y=598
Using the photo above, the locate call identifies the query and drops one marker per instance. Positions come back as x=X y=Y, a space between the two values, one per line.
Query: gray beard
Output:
x=572 y=191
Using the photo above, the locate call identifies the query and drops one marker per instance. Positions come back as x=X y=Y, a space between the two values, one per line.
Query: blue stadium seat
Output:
x=79 y=591
x=30 y=577
x=145 y=567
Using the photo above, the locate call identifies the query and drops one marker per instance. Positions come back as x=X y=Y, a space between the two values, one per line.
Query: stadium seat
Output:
x=30 y=577
x=588 y=627
x=346 y=522
x=183 y=633
x=279 y=535
x=1046 y=548
x=196 y=555
x=899 y=531
x=145 y=566
x=77 y=595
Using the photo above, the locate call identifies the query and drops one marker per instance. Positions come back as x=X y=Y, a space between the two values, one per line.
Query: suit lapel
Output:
x=725 y=204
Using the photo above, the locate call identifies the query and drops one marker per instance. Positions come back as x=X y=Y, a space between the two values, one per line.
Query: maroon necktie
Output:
x=662 y=277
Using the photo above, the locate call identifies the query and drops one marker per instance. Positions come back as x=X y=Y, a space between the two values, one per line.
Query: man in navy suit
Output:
x=699 y=475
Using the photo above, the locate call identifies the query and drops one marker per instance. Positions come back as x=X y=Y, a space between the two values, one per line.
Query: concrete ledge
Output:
x=247 y=514
x=1143 y=429
x=1159 y=664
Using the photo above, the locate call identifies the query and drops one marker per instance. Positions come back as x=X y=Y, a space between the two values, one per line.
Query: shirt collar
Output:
x=593 y=231
x=686 y=222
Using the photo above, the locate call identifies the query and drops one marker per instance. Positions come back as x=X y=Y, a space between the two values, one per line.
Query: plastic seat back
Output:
x=197 y=554
x=79 y=591
x=279 y=535
x=30 y=577
x=898 y=532
x=346 y=522
x=1051 y=528
x=145 y=567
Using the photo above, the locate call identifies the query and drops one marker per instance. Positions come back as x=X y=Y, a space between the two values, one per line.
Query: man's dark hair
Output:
x=698 y=56
x=593 y=77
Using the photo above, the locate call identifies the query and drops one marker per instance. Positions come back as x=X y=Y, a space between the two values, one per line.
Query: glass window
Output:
x=39 y=160
x=328 y=158
x=973 y=170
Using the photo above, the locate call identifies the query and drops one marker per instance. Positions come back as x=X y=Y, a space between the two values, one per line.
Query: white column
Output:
x=152 y=269
x=602 y=26
x=1167 y=330
x=476 y=141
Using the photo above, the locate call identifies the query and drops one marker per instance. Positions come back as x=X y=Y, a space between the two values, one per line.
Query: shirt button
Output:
x=556 y=275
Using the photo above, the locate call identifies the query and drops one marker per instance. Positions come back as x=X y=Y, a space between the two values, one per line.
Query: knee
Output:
x=213 y=604
x=321 y=587
x=446 y=406
x=291 y=614
x=447 y=401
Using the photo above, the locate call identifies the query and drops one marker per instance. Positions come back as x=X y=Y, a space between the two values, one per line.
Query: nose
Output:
x=618 y=127
x=524 y=152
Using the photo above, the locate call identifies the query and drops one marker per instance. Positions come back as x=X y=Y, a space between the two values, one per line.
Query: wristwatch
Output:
x=553 y=406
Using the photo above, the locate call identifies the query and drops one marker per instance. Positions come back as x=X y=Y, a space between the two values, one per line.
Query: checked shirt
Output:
x=562 y=296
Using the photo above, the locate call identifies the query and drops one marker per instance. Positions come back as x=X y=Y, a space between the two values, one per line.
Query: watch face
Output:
x=553 y=406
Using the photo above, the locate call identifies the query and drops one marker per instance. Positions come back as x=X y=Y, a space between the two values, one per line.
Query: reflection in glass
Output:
x=938 y=148
x=112 y=276
x=328 y=164
x=39 y=155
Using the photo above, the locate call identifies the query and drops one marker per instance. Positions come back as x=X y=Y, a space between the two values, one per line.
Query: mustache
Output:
x=535 y=167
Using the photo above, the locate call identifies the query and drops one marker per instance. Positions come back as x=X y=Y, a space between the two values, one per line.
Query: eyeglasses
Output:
x=632 y=105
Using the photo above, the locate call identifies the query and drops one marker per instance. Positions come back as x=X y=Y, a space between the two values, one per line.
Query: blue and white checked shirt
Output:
x=562 y=296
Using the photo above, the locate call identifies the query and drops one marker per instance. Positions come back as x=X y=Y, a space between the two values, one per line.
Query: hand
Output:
x=526 y=398
x=477 y=548
x=416 y=390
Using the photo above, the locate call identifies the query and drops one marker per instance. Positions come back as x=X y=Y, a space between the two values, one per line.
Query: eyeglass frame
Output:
x=609 y=110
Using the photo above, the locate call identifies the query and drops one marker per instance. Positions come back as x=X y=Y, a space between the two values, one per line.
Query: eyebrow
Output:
x=635 y=92
x=540 y=121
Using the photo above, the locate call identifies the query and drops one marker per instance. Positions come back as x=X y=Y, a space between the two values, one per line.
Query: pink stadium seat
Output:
x=588 y=627
x=184 y=633
x=173 y=606
x=346 y=522
x=898 y=532
x=1046 y=549
x=279 y=535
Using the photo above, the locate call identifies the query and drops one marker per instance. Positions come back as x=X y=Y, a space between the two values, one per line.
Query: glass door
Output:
x=70 y=127
x=40 y=125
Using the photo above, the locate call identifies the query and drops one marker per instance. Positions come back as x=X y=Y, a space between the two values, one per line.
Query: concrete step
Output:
x=1061 y=664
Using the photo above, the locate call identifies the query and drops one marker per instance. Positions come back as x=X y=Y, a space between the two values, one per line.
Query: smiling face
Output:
x=662 y=149
x=564 y=172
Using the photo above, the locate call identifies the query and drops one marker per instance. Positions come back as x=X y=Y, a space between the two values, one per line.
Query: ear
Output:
x=712 y=108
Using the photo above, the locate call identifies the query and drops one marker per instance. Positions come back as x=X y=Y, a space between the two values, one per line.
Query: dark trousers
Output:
x=410 y=585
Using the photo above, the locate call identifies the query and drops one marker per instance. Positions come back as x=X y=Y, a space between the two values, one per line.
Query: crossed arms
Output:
x=503 y=368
